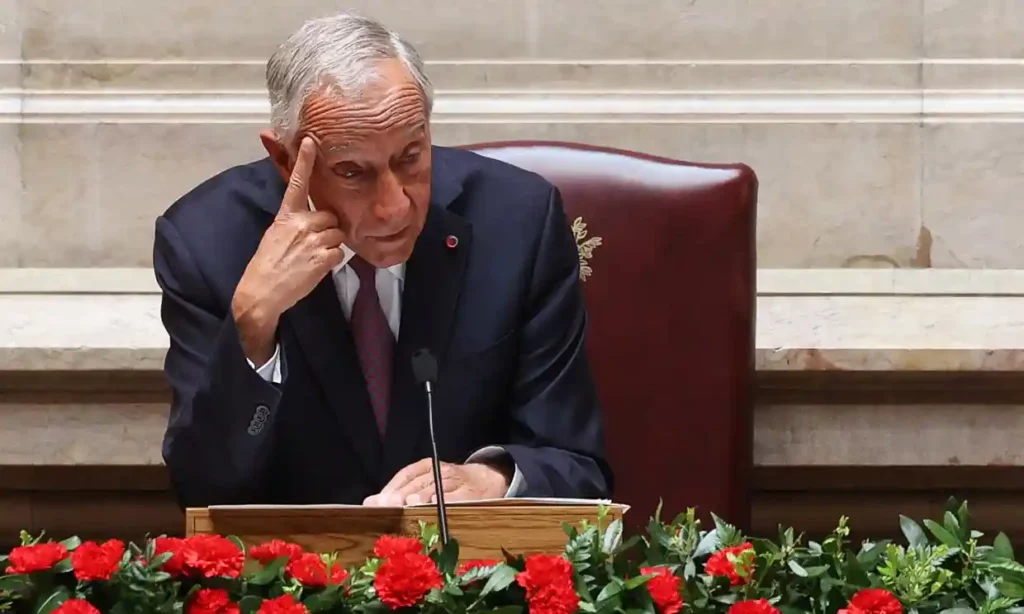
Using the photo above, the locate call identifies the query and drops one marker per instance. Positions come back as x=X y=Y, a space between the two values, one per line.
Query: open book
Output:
x=509 y=502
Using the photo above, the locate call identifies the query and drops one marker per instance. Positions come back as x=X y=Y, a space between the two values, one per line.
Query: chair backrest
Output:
x=670 y=251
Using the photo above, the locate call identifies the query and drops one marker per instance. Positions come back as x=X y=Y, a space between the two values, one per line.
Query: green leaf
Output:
x=635 y=582
x=448 y=558
x=817 y=570
x=856 y=575
x=869 y=556
x=728 y=535
x=963 y=515
x=71 y=543
x=689 y=570
x=612 y=537
x=1011 y=589
x=48 y=603
x=1002 y=547
x=958 y=611
x=234 y=539
x=14 y=582
x=586 y=606
x=250 y=604
x=63 y=566
x=502 y=577
x=582 y=589
x=160 y=559
x=953 y=525
x=659 y=535
x=270 y=572
x=610 y=590
x=507 y=609
x=942 y=534
x=912 y=531
x=797 y=569
x=324 y=600
x=707 y=544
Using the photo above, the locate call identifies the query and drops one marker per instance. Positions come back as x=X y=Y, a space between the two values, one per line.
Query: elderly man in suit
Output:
x=296 y=289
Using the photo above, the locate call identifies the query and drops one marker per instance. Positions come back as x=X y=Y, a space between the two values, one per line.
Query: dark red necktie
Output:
x=374 y=339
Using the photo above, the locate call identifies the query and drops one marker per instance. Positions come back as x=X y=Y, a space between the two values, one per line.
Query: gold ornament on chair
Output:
x=585 y=246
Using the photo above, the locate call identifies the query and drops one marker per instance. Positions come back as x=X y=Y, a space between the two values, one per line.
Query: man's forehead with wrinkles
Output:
x=390 y=107
x=350 y=144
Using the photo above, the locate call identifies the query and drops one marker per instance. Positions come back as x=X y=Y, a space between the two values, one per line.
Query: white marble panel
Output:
x=507 y=29
x=794 y=333
x=240 y=29
x=10 y=43
x=784 y=435
x=485 y=76
x=972 y=200
x=888 y=435
x=93 y=191
x=81 y=434
x=973 y=28
x=11 y=197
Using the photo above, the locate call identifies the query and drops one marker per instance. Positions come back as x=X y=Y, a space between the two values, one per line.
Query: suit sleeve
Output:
x=557 y=431
x=220 y=429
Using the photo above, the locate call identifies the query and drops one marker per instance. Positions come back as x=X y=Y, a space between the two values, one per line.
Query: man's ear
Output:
x=278 y=153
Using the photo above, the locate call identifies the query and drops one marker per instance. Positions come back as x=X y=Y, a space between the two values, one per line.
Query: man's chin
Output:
x=384 y=256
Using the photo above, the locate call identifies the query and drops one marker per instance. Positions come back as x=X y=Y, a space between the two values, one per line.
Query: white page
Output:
x=512 y=501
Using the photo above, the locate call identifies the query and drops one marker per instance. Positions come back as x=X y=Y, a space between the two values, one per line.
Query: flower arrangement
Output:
x=675 y=567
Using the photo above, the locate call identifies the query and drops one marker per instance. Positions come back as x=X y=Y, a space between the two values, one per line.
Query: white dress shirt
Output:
x=390 y=283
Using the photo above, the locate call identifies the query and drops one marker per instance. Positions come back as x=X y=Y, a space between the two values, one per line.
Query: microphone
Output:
x=424 y=369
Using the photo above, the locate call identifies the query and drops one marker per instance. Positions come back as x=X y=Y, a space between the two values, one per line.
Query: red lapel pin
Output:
x=452 y=241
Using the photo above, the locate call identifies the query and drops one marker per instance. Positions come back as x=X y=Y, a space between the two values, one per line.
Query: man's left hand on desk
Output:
x=415 y=484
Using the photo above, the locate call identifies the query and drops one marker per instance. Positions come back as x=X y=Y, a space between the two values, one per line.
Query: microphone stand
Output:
x=442 y=515
x=424 y=369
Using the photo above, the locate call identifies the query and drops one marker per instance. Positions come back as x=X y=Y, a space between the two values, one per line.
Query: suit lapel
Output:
x=326 y=341
x=433 y=280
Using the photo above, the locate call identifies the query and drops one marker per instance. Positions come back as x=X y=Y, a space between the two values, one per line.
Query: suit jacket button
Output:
x=259 y=419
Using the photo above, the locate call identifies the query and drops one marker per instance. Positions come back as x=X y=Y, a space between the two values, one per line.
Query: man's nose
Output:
x=392 y=200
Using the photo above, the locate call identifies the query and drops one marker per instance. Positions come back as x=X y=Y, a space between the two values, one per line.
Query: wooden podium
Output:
x=482 y=528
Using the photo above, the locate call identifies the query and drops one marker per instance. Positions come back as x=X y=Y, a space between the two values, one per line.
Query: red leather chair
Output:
x=671 y=301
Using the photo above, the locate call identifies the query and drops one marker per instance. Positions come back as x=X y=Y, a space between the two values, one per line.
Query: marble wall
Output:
x=885 y=133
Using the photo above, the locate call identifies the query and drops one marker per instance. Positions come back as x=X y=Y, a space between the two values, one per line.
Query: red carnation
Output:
x=874 y=601
x=403 y=579
x=39 y=557
x=388 y=546
x=664 y=589
x=176 y=564
x=742 y=561
x=212 y=601
x=548 y=581
x=274 y=549
x=212 y=556
x=311 y=570
x=92 y=561
x=757 y=606
x=285 y=604
x=76 y=606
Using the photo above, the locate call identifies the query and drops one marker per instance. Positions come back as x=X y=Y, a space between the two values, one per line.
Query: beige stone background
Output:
x=887 y=134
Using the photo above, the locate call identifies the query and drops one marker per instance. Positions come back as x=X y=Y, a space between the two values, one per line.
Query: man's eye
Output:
x=347 y=172
x=410 y=157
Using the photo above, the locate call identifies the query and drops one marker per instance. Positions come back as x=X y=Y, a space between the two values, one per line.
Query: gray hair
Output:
x=338 y=52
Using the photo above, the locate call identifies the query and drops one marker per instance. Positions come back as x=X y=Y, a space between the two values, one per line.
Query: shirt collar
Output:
x=397 y=270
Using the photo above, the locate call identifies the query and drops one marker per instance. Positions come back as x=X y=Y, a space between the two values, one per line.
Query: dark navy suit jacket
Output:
x=503 y=312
